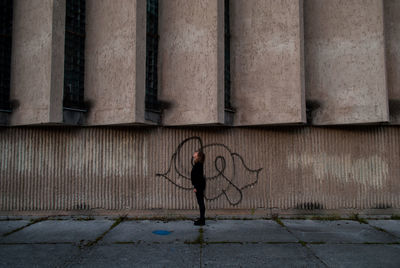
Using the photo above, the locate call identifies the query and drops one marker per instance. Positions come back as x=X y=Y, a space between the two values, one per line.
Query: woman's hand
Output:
x=194 y=190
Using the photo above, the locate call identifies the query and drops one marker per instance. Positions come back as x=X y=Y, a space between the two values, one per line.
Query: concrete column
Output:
x=37 y=64
x=392 y=34
x=191 y=61
x=267 y=62
x=115 y=54
x=345 y=61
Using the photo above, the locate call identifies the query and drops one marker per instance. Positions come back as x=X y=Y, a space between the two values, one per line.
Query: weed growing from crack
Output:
x=84 y=219
x=32 y=221
x=278 y=221
x=225 y=242
x=381 y=243
x=326 y=218
x=303 y=243
x=380 y=229
x=355 y=217
x=124 y=243
x=163 y=219
x=199 y=240
x=116 y=222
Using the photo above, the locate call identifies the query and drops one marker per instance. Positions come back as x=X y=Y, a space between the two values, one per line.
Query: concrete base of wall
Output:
x=128 y=169
x=215 y=214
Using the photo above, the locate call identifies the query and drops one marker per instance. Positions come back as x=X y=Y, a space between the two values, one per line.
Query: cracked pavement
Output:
x=124 y=242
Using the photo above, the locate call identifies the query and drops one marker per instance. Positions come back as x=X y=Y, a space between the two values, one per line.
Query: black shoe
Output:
x=200 y=222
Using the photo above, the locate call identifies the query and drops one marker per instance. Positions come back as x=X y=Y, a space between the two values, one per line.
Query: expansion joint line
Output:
x=115 y=224
x=25 y=226
x=304 y=244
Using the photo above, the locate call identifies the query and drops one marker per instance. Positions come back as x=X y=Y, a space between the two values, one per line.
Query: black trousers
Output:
x=200 y=201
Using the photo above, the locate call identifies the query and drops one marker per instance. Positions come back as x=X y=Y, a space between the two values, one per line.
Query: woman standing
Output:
x=199 y=184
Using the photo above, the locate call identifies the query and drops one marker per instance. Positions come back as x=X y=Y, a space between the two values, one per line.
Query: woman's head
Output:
x=199 y=156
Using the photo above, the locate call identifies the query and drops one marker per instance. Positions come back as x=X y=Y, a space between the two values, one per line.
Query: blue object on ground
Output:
x=161 y=232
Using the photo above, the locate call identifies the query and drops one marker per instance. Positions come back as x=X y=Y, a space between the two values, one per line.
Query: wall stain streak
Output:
x=114 y=168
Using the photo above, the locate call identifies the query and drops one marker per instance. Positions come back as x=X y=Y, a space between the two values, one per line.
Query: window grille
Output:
x=227 y=67
x=152 y=37
x=74 y=61
x=6 y=11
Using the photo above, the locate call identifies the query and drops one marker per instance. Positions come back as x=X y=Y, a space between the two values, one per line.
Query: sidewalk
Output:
x=102 y=242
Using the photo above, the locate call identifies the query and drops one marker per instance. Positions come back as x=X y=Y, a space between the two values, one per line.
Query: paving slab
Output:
x=358 y=255
x=134 y=231
x=37 y=255
x=342 y=231
x=141 y=255
x=8 y=226
x=53 y=231
x=258 y=255
x=391 y=226
x=246 y=231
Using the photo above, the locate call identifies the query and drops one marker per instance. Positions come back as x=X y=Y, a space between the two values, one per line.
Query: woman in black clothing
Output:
x=199 y=184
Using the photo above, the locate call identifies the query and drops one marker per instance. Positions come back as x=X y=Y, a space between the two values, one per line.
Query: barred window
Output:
x=74 y=61
x=227 y=67
x=152 y=38
x=6 y=11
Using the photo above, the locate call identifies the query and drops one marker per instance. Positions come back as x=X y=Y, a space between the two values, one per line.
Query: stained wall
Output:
x=345 y=61
x=46 y=170
x=267 y=62
x=115 y=55
x=148 y=169
x=191 y=61
x=37 y=63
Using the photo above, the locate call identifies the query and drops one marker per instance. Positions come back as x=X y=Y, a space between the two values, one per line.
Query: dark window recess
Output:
x=74 y=62
x=227 y=67
x=6 y=11
x=151 y=55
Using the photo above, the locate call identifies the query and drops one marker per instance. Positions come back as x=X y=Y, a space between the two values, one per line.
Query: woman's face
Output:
x=196 y=157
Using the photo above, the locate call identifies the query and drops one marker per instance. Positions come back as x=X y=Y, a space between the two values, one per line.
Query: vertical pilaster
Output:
x=392 y=34
x=345 y=62
x=267 y=62
x=115 y=54
x=37 y=64
x=191 y=75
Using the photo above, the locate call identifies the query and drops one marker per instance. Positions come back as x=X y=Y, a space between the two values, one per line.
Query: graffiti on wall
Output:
x=226 y=172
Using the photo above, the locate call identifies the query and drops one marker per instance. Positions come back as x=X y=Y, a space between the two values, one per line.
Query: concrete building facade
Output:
x=295 y=103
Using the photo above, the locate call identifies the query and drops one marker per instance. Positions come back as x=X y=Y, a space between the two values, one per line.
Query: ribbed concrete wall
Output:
x=65 y=169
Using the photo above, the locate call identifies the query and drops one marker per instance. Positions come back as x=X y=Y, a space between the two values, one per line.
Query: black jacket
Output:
x=197 y=177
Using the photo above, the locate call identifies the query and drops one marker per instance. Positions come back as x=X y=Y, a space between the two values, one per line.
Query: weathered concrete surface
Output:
x=258 y=255
x=345 y=61
x=37 y=62
x=191 y=61
x=392 y=35
x=36 y=255
x=142 y=255
x=63 y=231
x=274 y=170
x=337 y=232
x=391 y=226
x=217 y=250
x=115 y=61
x=8 y=226
x=267 y=62
x=250 y=231
x=358 y=255
x=142 y=231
